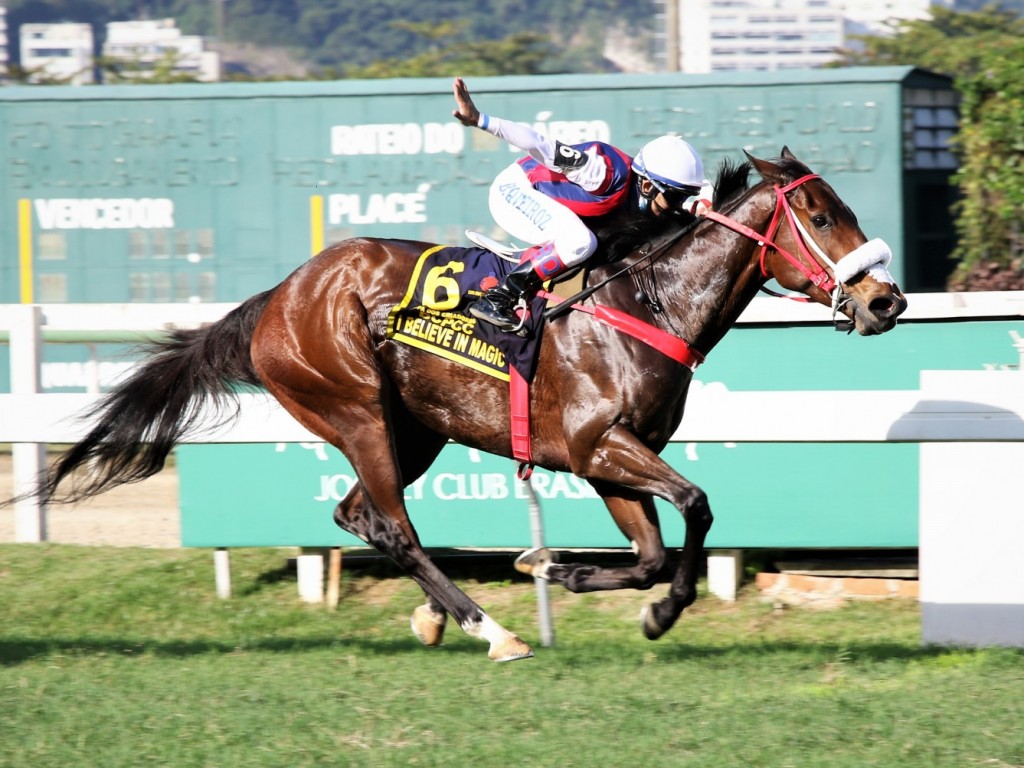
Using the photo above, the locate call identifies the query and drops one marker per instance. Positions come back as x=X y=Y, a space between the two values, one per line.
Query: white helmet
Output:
x=671 y=162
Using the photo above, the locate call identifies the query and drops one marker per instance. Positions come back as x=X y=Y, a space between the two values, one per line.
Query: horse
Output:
x=604 y=404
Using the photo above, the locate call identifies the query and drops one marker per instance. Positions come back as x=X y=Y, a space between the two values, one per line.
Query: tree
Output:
x=135 y=72
x=984 y=53
x=990 y=219
x=448 y=55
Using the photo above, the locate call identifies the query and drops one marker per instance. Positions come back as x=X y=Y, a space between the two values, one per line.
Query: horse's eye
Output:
x=820 y=221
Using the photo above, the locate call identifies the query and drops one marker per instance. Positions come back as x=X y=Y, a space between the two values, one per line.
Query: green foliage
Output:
x=124 y=657
x=951 y=42
x=521 y=54
x=990 y=218
x=984 y=52
x=131 y=72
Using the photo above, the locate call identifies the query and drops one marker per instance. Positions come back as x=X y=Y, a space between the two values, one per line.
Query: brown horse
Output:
x=603 y=404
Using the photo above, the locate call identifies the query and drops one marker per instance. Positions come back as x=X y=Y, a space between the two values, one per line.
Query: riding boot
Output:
x=498 y=305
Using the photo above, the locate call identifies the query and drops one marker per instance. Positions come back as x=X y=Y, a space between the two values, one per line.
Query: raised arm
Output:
x=519 y=135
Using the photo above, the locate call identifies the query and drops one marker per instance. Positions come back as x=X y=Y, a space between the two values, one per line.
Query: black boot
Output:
x=498 y=305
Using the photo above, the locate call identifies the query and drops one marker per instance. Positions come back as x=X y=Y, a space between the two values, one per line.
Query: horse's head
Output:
x=821 y=251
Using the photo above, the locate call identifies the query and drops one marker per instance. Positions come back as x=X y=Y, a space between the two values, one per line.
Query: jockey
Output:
x=546 y=198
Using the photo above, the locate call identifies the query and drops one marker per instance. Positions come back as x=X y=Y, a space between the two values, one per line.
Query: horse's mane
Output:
x=734 y=178
x=622 y=240
x=732 y=181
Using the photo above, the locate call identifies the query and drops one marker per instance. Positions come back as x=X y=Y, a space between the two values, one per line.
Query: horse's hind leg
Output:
x=381 y=521
x=338 y=394
x=636 y=517
x=428 y=621
x=417 y=448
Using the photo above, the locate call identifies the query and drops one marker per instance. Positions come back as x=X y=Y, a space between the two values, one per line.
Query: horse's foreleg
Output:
x=637 y=518
x=621 y=459
x=659 y=617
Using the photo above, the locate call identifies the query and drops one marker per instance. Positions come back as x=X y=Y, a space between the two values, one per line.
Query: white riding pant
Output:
x=535 y=218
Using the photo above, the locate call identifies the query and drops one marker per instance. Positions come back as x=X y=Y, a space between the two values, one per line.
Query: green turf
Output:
x=116 y=657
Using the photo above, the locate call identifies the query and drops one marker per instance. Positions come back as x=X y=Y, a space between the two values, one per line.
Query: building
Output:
x=143 y=45
x=3 y=42
x=770 y=35
x=755 y=35
x=57 y=52
x=875 y=17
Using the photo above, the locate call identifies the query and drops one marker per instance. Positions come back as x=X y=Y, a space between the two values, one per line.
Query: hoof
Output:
x=510 y=650
x=651 y=629
x=428 y=626
x=535 y=562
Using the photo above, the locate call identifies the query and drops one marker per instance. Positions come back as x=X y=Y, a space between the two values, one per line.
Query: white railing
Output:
x=963 y=489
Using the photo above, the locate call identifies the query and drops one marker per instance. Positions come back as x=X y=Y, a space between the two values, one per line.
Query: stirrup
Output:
x=509 y=323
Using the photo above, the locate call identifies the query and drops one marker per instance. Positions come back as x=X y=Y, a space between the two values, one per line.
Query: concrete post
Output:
x=29 y=459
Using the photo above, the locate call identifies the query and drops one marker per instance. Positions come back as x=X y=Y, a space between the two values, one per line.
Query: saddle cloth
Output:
x=431 y=316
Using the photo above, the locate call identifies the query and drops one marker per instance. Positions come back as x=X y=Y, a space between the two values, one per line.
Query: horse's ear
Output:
x=787 y=155
x=768 y=170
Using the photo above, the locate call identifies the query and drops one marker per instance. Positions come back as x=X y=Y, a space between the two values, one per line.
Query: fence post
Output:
x=310 y=571
x=28 y=459
x=725 y=573
x=547 y=627
x=222 y=572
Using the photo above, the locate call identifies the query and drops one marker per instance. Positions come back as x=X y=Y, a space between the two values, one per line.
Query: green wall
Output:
x=206 y=192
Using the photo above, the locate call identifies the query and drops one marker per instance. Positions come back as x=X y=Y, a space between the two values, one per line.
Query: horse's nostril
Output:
x=885 y=307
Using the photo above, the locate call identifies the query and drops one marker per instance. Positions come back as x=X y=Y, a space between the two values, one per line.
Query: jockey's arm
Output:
x=587 y=169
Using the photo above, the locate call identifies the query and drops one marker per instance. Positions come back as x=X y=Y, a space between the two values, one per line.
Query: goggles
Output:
x=675 y=196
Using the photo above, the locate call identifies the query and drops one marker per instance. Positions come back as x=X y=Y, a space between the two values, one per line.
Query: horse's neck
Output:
x=713 y=275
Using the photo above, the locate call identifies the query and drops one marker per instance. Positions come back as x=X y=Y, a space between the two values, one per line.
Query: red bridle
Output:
x=810 y=267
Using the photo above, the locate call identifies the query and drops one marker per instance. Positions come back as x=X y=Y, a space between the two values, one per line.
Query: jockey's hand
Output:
x=698 y=206
x=467 y=113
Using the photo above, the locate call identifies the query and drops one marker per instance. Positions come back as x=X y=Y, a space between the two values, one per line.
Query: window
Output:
x=139 y=285
x=53 y=246
x=182 y=287
x=204 y=242
x=161 y=286
x=161 y=244
x=53 y=288
x=182 y=244
x=138 y=246
x=207 y=286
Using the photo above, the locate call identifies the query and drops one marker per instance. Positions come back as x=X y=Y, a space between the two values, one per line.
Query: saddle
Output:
x=571 y=281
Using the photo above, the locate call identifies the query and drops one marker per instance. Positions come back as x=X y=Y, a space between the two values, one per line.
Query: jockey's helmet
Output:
x=670 y=163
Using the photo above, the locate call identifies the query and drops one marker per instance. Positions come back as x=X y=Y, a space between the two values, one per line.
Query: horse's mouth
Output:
x=879 y=314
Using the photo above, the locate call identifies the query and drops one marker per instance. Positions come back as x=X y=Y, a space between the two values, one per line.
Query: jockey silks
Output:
x=580 y=201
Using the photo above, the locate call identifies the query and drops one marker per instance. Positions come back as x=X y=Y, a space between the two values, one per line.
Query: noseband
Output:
x=872 y=257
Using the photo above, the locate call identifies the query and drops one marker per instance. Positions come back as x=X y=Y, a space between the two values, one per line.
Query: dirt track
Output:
x=140 y=515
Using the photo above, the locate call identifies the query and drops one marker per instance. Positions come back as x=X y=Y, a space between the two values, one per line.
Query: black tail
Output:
x=142 y=419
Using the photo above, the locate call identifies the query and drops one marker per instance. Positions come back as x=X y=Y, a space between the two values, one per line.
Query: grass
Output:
x=113 y=657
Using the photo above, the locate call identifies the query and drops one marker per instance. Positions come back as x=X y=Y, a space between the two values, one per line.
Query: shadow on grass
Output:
x=14 y=650
x=266 y=578
x=867 y=651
